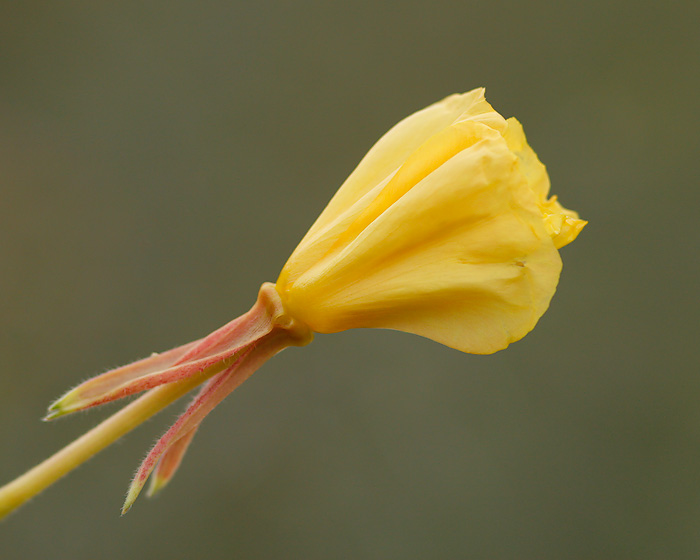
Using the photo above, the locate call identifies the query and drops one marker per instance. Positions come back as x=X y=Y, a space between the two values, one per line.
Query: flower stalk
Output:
x=220 y=362
x=107 y=432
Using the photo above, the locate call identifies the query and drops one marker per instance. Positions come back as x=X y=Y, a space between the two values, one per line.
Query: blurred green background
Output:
x=159 y=160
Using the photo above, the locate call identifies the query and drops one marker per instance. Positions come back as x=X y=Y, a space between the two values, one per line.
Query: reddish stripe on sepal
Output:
x=213 y=393
x=169 y=463
x=180 y=363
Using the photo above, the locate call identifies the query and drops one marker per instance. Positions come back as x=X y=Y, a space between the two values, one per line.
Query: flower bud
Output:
x=443 y=230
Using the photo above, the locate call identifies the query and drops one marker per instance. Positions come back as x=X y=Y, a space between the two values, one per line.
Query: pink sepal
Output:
x=173 y=365
x=212 y=394
x=169 y=463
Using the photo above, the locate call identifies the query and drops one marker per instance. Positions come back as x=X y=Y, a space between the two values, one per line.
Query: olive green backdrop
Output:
x=159 y=160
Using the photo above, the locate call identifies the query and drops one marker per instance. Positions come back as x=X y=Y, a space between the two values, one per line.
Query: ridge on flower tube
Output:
x=445 y=229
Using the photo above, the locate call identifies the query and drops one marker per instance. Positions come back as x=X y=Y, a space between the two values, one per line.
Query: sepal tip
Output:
x=132 y=494
x=155 y=485
x=56 y=410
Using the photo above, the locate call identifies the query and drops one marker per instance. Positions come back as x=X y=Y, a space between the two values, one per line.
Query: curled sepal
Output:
x=169 y=463
x=229 y=356
x=171 y=459
x=89 y=390
x=177 y=364
x=213 y=393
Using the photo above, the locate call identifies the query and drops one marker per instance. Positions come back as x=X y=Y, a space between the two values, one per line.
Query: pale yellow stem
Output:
x=268 y=318
x=15 y=493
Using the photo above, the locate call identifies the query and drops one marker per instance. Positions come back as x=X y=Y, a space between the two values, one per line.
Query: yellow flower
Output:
x=443 y=230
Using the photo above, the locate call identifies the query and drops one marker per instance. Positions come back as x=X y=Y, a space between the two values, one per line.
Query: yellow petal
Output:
x=392 y=150
x=446 y=233
x=381 y=163
x=562 y=224
x=531 y=166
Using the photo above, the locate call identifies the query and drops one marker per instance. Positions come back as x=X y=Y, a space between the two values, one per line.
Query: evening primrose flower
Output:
x=445 y=229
